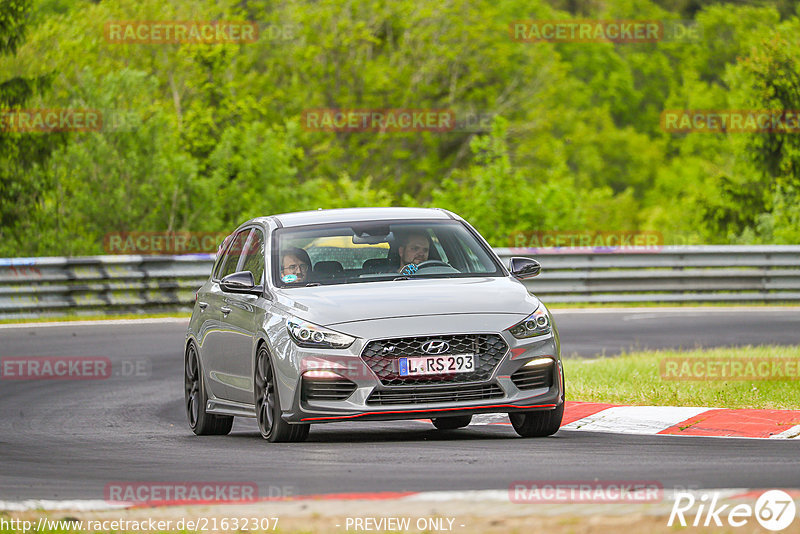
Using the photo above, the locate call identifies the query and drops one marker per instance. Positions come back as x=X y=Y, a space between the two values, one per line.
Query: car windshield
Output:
x=348 y=253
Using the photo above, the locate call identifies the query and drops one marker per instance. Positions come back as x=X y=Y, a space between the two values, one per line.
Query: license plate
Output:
x=437 y=365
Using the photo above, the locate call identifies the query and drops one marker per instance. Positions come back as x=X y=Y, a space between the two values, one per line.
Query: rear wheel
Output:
x=268 y=411
x=201 y=423
x=452 y=423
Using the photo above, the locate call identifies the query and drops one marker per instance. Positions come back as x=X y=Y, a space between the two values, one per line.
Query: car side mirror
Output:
x=241 y=282
x=522 y=268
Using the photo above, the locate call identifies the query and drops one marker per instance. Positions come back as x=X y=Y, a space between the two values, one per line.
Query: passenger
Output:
x=295 y=265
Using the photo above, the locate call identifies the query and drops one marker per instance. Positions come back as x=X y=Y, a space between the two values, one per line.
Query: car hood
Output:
x=336 y=304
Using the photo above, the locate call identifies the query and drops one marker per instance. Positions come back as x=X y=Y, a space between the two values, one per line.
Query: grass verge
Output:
x=635 y=379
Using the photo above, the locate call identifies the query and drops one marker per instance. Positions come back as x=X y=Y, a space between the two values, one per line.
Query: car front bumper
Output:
x=502 y=391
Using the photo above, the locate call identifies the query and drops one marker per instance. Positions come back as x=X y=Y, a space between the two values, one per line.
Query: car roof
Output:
x=344 y=215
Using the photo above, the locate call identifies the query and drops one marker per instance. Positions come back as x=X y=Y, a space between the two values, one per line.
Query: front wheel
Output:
x=537 y=424
x=201 y=423
x=268 y=409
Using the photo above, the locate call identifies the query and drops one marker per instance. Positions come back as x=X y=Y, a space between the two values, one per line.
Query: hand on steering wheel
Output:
x=411 y=268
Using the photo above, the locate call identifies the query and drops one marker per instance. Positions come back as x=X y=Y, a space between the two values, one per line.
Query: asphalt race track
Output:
x=68 y=439
x=590 y=333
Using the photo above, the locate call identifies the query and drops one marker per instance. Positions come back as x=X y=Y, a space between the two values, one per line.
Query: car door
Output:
x=206 y=316
x=241 y=322
x=214 y=351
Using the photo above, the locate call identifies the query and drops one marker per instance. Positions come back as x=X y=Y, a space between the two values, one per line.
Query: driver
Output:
x=295 y=264
x=413 y=250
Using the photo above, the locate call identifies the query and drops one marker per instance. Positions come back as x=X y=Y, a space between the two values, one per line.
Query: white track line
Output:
x=793 y=432
x=484 y=419
x=635 y=419
x=497 y=495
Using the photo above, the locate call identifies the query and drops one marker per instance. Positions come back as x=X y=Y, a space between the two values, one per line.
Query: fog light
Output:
x=538 y=362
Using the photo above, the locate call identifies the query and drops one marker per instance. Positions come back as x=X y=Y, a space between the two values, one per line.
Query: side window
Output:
x=223 y=247
x=253 y=257
x=231 y=259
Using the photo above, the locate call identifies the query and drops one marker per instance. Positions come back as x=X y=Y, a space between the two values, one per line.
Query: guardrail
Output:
x=769 y=273
x=32 y=287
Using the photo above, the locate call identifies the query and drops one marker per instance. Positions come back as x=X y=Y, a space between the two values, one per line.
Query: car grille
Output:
x=327 y=389
x=382 y=355
x=533 y=377
x=433 y=394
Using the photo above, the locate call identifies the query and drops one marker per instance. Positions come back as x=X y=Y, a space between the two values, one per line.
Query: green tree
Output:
x=126 y=177
x=20 y=152
x=768 y=79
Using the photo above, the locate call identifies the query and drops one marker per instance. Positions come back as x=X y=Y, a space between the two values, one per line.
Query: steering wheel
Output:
x=433 y=263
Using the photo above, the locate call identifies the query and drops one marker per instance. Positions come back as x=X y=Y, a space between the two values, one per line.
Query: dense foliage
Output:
x=201 y=137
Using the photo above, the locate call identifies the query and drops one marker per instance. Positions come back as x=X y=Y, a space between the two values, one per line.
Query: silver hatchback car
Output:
x=368 y=314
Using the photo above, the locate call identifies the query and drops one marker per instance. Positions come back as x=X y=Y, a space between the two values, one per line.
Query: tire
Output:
x=540 y=424
x=537 y=424
x=268 y=407
x=452 y=423
x=195 y=399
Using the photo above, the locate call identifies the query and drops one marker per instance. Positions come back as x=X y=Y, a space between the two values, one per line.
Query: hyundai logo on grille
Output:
x=436 y=347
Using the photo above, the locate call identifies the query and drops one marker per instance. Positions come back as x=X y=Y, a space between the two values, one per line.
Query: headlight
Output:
x=311 y=336
x=536 y=324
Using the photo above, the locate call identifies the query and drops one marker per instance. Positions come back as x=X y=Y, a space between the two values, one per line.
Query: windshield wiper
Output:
x=401 y=278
